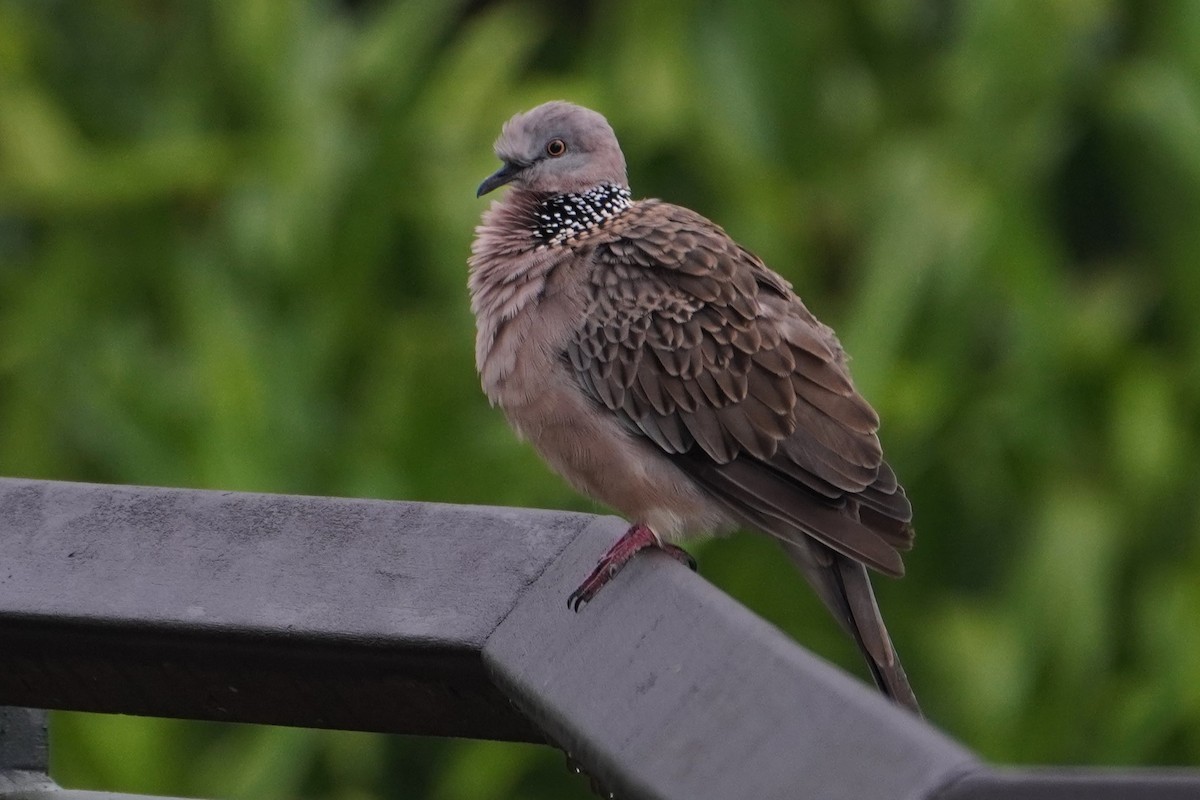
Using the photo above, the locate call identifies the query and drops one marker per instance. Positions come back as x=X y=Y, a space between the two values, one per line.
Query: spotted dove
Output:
x=667 y=372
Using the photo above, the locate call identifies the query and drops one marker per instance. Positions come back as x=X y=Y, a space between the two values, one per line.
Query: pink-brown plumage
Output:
x=664 y=370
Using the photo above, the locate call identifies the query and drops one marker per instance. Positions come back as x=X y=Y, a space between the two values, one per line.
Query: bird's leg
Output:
x=638 y=537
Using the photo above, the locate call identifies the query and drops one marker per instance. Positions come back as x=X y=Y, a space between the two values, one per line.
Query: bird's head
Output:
x=556 y=148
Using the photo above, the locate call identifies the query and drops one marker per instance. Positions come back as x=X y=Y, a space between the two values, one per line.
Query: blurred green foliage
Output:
x=232 y=246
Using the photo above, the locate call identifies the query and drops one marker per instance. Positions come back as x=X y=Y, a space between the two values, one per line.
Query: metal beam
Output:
x=666 y=688
x=450 y=620
x=306 y=611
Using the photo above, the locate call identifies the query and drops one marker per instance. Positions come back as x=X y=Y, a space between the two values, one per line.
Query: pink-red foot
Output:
x=638 y=537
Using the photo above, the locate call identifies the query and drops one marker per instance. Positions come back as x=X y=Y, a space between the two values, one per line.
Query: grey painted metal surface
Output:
x=24 y=740
x=1059 y=783
x=445 y=620
x=669 y=689
x=263 y=608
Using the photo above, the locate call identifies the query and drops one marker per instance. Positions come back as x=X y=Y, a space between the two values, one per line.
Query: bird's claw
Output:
x=638 y=537
x=601 y=575
x=682 y=556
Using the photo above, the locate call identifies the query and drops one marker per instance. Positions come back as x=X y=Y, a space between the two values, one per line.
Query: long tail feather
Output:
x=845 y=588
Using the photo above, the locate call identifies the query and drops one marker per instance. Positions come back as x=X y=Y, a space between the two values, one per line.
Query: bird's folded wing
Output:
x=697 y=346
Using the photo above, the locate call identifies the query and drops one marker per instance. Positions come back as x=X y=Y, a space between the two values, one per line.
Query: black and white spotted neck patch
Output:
x=564 y=216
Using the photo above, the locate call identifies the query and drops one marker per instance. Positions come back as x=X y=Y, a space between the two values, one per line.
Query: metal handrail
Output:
x=449 y=621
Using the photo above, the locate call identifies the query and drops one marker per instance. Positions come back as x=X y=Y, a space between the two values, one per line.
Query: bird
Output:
x=665 y=371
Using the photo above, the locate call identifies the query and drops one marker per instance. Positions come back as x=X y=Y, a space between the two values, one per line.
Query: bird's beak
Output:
x=504 y=175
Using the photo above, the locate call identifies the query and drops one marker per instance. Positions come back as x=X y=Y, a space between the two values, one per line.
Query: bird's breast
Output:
x=525 y=315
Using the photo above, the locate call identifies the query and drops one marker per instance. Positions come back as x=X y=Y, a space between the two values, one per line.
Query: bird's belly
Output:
x=592 y=450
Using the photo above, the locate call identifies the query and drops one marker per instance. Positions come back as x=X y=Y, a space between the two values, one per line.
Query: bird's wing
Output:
x=697 y=346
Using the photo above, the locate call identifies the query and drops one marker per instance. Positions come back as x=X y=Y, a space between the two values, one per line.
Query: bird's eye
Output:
x=555 y=148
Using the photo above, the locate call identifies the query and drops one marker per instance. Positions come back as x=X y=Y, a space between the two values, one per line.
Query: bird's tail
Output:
x=845 y=588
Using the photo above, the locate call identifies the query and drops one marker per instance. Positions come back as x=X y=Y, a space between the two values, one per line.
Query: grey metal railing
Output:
x=447 y=621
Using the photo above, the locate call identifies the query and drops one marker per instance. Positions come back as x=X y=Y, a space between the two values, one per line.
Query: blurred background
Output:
x=232 y=255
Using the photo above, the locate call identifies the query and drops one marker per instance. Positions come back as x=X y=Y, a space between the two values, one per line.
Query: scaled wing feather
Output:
x=730 y=375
